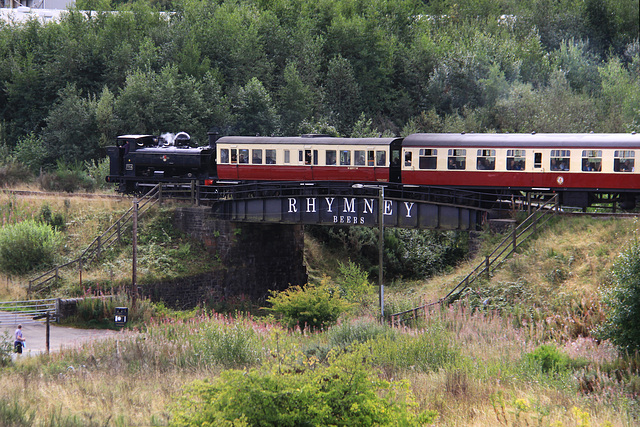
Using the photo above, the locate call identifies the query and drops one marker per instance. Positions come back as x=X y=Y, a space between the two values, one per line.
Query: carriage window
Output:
x=381 y=158
x=371 y=158
x=591 y=160
x=244 y=156
x=270 y=157
x=307 y=157
x=516 y=160
x=407 y=158
x=345 y=157
x=315 y=157
x=287 y=156
x=331 y=157
x=256 y=157
x=560 y=160
x=234 y=155
x=224 y=155
x=428 y=159
x=486 y=160
x=359 y=158
x=457 y=158
x=623 y=161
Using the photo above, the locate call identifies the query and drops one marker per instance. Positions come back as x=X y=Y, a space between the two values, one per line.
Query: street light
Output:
x=380 y=189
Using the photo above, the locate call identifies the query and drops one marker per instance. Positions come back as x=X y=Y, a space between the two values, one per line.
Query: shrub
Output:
x=622 y=325
x=6 y=348
x=315 y=307
x=550 y=359
x=354 y=282
x=347 y=392
x=27 y=245
x=68 y=178
x=359 y=331
x=13 y=173
x=230 y=347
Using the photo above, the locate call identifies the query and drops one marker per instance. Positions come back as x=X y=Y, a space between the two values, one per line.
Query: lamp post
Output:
x=380 y=189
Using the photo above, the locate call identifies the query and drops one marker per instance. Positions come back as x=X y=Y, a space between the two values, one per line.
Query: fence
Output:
x=546 y=210
x=23 y=312
x=112 y=235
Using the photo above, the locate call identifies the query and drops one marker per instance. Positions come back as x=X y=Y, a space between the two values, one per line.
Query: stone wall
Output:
x=255 y=258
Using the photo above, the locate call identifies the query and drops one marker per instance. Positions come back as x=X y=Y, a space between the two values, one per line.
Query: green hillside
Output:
x=517 y=350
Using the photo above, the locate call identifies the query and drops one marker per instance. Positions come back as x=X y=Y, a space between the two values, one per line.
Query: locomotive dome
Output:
x=182 y=139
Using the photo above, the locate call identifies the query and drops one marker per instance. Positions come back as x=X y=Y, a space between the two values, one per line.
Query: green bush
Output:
x=346 y=393
x=312 y=306
x=230 y=347
x=67 y=178
x=27 y=245
x=6 y=348
x=550 y=359
x=353 y=282
x=13 y=173
x=622 y=325
x=358 y=331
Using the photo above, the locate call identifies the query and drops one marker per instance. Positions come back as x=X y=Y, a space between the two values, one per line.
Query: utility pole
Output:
x=381 y=248
x=134 y=257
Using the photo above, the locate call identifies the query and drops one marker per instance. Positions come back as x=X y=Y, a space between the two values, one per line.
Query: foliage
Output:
x=98 y=170
x=229 y=347
x=6 y=348
x=309 y=306
x=347 y=392
x=99 y=312
x=27 y=245
x=409 y=254
x=14 y=172
x=55 y=220
x=353 y=282
x=15 y=415
x=622 y=297
x=549 y=358
x=31 y=152
x=67 y=177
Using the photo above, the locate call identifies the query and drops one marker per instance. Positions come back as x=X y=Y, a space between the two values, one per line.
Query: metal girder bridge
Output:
x=349 y=205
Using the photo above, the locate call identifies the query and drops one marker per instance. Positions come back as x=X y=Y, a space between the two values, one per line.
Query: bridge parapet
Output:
x=330 y=205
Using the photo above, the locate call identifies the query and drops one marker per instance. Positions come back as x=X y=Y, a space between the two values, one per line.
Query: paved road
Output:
x=59 y=336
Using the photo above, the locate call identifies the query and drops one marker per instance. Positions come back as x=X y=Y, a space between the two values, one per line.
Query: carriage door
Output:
x=395 y=165
x=307 y=160
x=537 y=167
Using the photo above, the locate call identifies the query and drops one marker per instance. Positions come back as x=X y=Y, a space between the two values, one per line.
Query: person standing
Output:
x=19 y=341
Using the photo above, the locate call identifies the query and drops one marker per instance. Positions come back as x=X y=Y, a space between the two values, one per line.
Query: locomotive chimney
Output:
x=213 y=137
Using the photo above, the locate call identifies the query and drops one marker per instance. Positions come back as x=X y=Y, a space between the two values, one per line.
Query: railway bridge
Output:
x=255 y=231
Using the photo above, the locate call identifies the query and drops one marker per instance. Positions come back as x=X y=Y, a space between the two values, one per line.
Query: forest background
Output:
x=287 y=67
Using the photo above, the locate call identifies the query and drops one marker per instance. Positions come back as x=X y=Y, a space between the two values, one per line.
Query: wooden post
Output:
x=118 y=228
x=79 y=270
x=47 y=341
x=99 y=247
x=514 y=238
x=487 y=267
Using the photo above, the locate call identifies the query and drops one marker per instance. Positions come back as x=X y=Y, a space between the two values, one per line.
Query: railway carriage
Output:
x=579 y=166
x=308 y=158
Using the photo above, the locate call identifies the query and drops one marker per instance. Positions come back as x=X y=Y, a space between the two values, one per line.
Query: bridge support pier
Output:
x=250 y=260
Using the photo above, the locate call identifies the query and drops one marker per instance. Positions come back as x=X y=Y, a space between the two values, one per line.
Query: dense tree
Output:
x=302 y=65
x=256 y=114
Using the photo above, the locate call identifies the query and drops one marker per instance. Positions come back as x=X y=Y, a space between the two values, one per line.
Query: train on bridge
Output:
x=582 y=168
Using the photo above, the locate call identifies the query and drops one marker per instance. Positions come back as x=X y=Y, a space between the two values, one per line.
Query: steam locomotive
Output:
x=581 y=167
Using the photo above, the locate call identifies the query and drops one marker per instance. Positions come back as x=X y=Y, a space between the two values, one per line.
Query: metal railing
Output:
x=537 y=219
x=23 y=312
x=112 y=235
